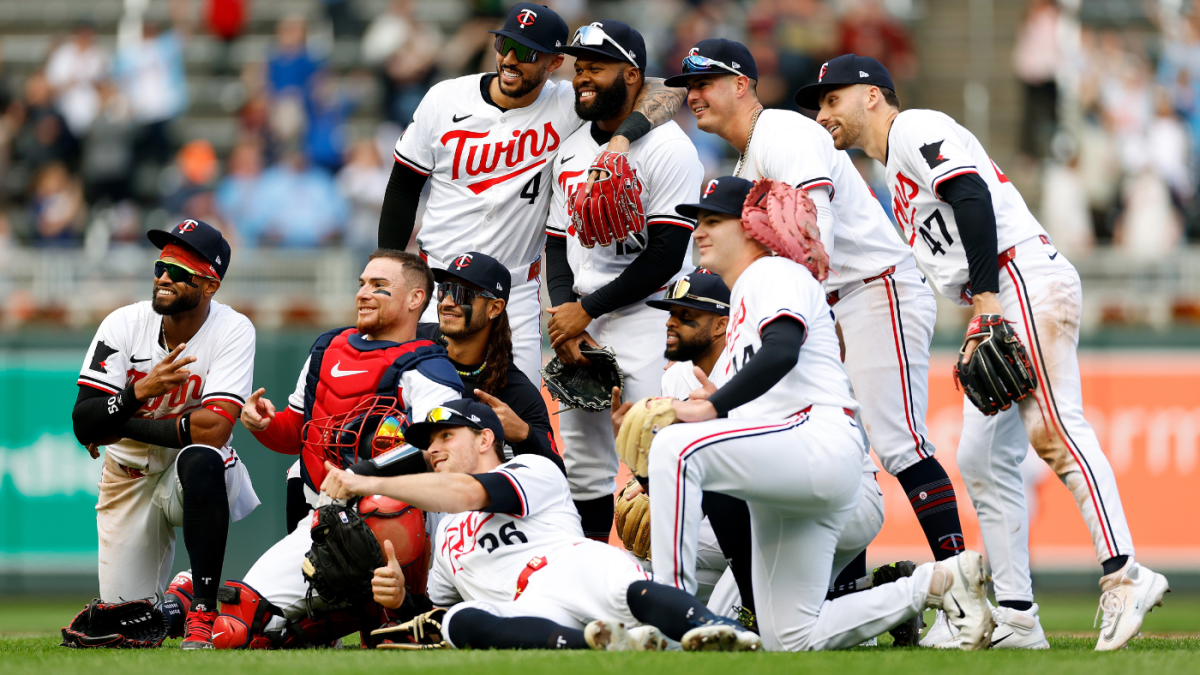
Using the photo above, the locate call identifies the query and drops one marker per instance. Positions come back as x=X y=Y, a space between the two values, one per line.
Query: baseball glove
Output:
x=784 y=220
x=585 y=387
x=645 y=419
x=633 y=521
x=423 y=632
x=343 y=557
x=999 y=371
x=135 y=624
x=613 y=209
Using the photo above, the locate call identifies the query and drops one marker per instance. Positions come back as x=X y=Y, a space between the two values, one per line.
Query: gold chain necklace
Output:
x=742 y=159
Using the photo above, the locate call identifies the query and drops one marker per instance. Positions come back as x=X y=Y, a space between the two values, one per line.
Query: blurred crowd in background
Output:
x=93 y=152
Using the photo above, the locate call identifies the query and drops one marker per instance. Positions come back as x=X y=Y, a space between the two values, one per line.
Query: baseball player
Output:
x=488 y=142
x=884 y=310
x=598 y=293
x=347 y=370
x=472 y=305
x=950 y=195
x=511 y=561
x=775 y=427
x=161 y=386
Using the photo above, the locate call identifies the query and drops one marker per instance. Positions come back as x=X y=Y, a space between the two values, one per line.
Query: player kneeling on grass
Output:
x=789 y=445
x=161 y=386
x=511 y=561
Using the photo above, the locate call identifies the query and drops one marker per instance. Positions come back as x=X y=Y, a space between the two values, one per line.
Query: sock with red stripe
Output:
x=932 y=497
x=205 y=518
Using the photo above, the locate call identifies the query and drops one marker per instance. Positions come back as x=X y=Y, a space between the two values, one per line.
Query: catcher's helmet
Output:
x=372 y=428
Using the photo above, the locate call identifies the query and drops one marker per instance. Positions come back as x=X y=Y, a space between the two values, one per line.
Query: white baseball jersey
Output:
x=669 y=169
x=926 y=147
x=679 y=380
x=127 y=346
x=789 y=147
x=489 y=168
x=479 y=556
x=771 y=288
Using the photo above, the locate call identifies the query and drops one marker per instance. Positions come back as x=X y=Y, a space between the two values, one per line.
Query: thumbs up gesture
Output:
x=388 y=583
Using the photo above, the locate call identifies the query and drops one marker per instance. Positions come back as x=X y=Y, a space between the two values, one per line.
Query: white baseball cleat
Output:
x=609 y=636
x=1128 y=595
x=1018 y=630
x=722 y=635
x=940 y=631
x=959 y=587
x=648 y=639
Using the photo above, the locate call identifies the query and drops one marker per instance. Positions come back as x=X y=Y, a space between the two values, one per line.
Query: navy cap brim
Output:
x=809 y=97
x=681 y=81
x=693 y=210
x=161 y=238
x=584 y=51
x=418 y=434
x=526 y=41
x=666 y=305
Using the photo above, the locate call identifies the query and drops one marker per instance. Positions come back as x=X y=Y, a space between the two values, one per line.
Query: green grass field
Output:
x=1170 y=644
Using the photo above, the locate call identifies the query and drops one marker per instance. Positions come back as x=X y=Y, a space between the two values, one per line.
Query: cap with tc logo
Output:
x=535 y=26
x=464 y=412
x=199 y=238
x=612 y=39
x=480 y=269
x=726 y=194
x=700 y=290
x=844 y=71
x=716 y=56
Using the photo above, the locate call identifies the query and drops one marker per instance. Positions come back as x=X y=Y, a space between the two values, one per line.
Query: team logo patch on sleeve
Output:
x=100 y=357
x=933 y=154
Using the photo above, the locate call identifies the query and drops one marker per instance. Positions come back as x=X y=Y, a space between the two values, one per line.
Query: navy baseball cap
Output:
x=464 y=412
x=726 y=194
x=716 y=56
x=843 y=71
x=700 y=290
x=611 y=39
x=197 y=238
x=480 y=269
x=535 y=26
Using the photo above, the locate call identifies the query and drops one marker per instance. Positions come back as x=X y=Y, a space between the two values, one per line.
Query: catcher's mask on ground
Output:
x=372 y=428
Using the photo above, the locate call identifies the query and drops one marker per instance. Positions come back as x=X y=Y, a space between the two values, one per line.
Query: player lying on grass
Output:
x=510 y=559
x=161 y=386
x=353 y=398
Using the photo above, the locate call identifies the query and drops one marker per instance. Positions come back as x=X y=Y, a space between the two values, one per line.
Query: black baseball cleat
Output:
x=908 y=633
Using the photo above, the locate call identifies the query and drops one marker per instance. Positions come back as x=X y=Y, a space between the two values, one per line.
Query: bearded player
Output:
x=599 y=290
x=884 y=310
x=488 y=142
x=161 y=386
x=775 y=427
x=360 y=375
x=983 y=249
x=510 y=559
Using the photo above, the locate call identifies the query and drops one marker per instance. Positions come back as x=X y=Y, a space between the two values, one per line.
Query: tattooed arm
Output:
x=655 y=104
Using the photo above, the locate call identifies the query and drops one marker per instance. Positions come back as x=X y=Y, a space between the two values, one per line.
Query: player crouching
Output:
x=511 y=560
x=789 y=445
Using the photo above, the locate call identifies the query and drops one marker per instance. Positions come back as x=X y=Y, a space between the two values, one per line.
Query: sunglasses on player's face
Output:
x=524 y=54
x=459 y=294
x=177 y=273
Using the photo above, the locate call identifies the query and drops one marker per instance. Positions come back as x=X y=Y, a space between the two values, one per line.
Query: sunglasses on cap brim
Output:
x=696 y=64
x=176 y=272
x=594 y=36
x=524 y=54
x=679 y=291
x=460 y=294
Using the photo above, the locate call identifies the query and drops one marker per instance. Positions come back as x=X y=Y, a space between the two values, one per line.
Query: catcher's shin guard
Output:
x=243 y=620
x=177 y=602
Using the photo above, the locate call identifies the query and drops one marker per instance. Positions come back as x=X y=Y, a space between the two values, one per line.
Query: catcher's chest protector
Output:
x=345 y=370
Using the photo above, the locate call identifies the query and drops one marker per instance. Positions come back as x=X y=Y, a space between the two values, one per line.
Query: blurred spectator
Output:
x=1169 y=156
x=290 y=64
x=1036 y=58
x=403 y=52
x=236 y=191
x=868 y=30
x=362 y=182
x=1149 y=227
x=295 y=205
x=73 y=70
x=1065 y=211
x=342 y=17
x=151 y=73
x=57 y=207
x=41 y=138
x=807 y=35
x=192 y=176
x=226 y=21
x=107 y=166
x=325 y=140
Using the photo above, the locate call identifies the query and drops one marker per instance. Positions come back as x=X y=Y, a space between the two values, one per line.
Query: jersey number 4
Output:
x=509 y=535
x=533 y=188
x=926 y=232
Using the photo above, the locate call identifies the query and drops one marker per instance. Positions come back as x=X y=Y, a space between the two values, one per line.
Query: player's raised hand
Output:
x=165 y=376
x=566 y=321
x=388 y=583
x=515 y=428
x=618 y=410
x=706 y=389
x=258 y=411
